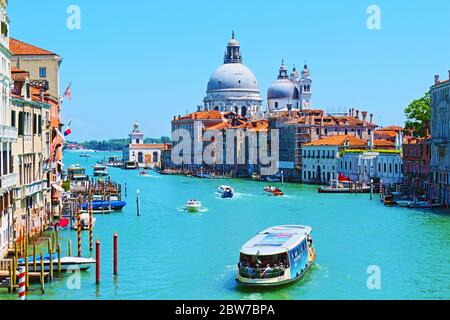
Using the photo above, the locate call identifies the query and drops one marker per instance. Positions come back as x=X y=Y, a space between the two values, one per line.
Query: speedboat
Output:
x=276 y=256
x=84 y=218
x=226 y=191
x=274 y=191
x=193 y=206
x=67 y=263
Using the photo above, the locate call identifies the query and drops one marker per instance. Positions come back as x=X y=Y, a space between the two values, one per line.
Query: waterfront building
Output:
x=299 y=127
x=440 y=139
x=42 y=70
x=31 y=117
x=416 y=164
x=144 y=154
x=290 y=92
x=197 y=124
x=321 y=157
x=8 y=136
x=233 y=86
x=380 y=160
x=43 y=65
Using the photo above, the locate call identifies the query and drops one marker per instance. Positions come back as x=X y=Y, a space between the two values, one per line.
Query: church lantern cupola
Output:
x=233 y=53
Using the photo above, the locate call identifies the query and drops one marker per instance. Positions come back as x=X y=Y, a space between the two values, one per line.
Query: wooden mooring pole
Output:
x=42 y=273
x=115 y=254
x=97 y=262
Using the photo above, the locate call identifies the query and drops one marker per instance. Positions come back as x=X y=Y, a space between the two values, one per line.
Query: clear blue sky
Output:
x=150 y=60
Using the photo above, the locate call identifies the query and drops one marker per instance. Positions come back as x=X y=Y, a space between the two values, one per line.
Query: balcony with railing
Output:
x=8 y=181
x=8 y=133
x=31 y=188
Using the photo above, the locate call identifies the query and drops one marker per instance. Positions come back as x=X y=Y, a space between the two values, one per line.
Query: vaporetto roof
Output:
x=276 y=240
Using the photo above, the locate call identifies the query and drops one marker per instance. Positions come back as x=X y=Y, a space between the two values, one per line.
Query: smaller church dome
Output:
x=282 y=89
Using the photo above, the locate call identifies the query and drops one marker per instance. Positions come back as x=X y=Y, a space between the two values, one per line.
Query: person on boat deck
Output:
x=267 y=271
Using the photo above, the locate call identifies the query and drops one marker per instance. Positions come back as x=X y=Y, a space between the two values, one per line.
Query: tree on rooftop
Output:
x=418 y=115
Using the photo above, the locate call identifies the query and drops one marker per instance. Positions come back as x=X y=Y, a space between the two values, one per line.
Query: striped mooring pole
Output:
x=22 y=289
x=91 y=227
x=79 y=232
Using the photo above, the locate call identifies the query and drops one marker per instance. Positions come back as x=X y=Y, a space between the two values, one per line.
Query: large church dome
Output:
x=234 y=77
x=232 y=87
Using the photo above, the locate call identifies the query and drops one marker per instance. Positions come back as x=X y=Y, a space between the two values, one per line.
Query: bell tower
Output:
x=136 y=136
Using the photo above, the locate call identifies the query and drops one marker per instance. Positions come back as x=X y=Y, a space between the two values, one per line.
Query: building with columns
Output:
x=8 y=136
x=440 y=140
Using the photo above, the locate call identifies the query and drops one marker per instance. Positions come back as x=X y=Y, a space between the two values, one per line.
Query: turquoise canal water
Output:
x=167 y=253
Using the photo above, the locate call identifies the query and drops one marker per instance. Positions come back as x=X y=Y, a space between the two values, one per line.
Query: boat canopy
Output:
x=276 y=240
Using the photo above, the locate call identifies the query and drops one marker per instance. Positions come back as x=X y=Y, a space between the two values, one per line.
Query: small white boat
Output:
x=193 y=206
x=73 y=263
x=84 y=222
x=225 y=191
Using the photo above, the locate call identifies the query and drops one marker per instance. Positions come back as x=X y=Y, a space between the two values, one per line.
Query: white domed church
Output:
x=233 y=86
x=290 y=91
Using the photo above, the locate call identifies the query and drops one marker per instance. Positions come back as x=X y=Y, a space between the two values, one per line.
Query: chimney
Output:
x=364 y=116
x=371 y=142
x=357 y=114
x=349 y=112
x=436 y=79
x=371 y=118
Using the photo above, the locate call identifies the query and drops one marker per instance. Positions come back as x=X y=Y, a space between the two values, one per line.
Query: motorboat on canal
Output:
x=67 y=263
x=276 y=256
x=99 y=205
x=76 y=174
x=337 y=186
x=274 y=191
x=226 y=191
x=144 y=173
x=419 y=204
x=100 y=170
x=84 y=218
x=193 y=205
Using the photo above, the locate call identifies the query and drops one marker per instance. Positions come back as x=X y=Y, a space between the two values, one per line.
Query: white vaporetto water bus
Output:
x=276 y=256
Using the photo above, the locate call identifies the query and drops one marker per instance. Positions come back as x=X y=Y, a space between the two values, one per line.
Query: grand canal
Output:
x=167 y=253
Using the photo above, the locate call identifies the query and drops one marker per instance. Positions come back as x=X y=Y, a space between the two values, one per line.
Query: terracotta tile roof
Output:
x=392 y=128
x=201 y=115
x=339 y=140
x=383 y=143
x=18 y=47
x=19 y=74
x=385 y=134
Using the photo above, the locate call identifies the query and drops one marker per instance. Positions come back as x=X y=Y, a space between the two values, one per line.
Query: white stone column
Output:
x=8 y=148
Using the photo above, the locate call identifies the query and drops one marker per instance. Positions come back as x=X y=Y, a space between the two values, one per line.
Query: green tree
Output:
x=418 y=115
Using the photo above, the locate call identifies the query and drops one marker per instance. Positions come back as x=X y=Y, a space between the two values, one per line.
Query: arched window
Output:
x=236 y=109
x=244 y=111
x=216 y=108
x=155 y=157
x=140 y=157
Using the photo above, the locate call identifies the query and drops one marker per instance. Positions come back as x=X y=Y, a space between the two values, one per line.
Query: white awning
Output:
x=57 y=187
